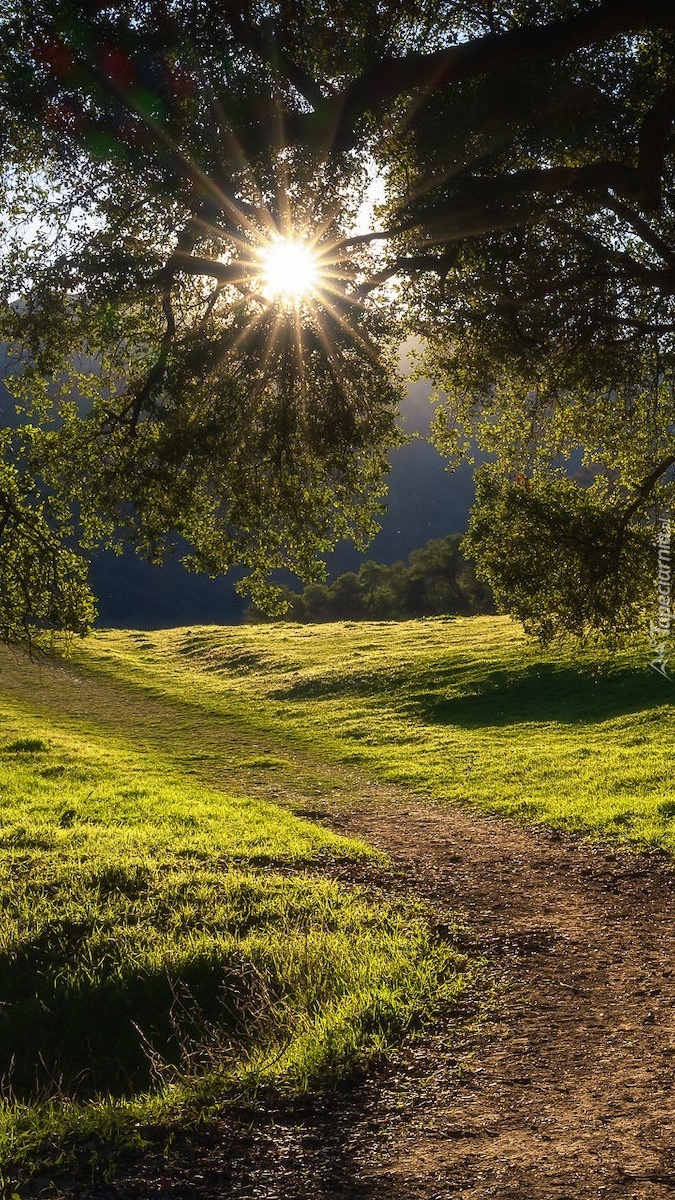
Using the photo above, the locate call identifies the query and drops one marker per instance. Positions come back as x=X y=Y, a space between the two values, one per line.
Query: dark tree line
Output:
x=437 y=580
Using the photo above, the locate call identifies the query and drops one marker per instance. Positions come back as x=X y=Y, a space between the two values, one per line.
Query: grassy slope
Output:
x=464 y=709
x=165 y=941
x=145 y=869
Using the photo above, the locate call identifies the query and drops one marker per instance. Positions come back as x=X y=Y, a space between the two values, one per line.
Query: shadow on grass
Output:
x=543 y=692
x=114 y=1037
x=547 y=693
x=348 y=683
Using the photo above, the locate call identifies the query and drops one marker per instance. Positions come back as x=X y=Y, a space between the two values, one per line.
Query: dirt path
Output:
x=573 y=1093
x=568 y=1093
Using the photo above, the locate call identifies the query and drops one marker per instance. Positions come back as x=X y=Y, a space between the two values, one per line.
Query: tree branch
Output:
x=629 y=267
x=645 y=489
x=643 y=230
x=195 y=264
x=155 y=376
x=493 y=53
x=404 y=265
x=653 y=144
x=266 y=44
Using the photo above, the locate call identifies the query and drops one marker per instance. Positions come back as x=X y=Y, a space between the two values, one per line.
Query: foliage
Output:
x=43 y=579
x=550 y=550
x=548 y=329
x=437 y=580
x=151 y=153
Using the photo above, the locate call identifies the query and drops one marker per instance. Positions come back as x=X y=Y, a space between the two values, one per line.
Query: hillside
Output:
x=462 y=709
x=199 y=825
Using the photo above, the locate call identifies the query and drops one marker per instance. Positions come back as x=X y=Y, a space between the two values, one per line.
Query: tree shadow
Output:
x=578 y=694
x=114 y=1036
x=547 y=692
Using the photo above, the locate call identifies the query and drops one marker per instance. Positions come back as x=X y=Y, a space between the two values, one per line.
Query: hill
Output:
x=456 y=708
x=180 y=917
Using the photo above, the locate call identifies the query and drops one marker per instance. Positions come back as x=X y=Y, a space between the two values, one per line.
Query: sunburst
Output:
x=290 y=271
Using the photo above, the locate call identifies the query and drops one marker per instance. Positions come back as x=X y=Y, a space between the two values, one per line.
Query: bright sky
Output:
x=374 y=195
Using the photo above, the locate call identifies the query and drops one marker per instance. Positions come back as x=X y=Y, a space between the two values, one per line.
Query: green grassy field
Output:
x=172 y=936
x=169 y=944
x=466 y=710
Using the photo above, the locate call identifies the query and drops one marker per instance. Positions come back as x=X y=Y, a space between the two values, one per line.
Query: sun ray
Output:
x=272 y=344
x=262 y=212
x=299 y=354
x=192 y=168
x=282 y=167
x=249 y=329
x=356 y=336
x=329 y=288
x=333 y=353
x=287 y=245
x=333 y=214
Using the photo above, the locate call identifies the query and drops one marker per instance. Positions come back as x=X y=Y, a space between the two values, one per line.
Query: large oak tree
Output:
x=151 y=151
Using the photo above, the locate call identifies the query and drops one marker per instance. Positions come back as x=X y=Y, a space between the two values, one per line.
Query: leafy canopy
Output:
x=152 y=152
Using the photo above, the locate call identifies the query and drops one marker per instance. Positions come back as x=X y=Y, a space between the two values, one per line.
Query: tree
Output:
x=315 y=602
x=345 y=599
x=549 y=551
x=152 y=152
x=433 y=584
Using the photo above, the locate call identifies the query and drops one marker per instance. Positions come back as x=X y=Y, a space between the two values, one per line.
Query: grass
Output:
x=466 y=710
x=166 y=945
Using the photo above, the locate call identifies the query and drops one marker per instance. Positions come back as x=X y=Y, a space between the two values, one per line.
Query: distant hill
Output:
x=425 y=501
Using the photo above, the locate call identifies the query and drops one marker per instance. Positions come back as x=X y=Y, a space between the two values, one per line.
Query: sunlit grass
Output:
x=169 y=939
x=466 y=710
x=166 y=945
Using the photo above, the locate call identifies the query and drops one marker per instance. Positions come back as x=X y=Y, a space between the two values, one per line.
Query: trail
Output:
x=565 y=1093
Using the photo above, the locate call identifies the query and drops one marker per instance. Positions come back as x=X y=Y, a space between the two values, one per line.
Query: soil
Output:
x=564 y=1090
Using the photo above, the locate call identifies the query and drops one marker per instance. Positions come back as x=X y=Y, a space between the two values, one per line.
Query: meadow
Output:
x=168 y=946
x=179 y=931
x=459 y=709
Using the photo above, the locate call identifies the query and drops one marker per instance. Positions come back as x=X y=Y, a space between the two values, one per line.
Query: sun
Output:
x=290 y=270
